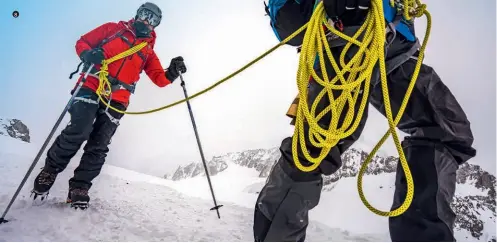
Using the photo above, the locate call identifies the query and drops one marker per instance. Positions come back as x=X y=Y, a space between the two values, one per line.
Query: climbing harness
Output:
x=85 y=100
x=115 y=83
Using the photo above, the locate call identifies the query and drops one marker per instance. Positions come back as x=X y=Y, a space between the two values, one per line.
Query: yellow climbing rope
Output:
x=104 y=86
x=103 y=80
x=371 y=51
x=359 y=68
x=409 y=12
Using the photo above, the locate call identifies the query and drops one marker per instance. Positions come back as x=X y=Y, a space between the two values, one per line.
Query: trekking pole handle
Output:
x=181 y=77
x=88 y=71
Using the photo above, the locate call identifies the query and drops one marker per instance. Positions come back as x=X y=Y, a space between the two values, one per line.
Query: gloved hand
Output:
x=177 y=64
x=349 y=12
x=95 y=56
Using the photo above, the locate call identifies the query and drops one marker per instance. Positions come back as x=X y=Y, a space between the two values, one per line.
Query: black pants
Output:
x=89 y=122
x=440 y=140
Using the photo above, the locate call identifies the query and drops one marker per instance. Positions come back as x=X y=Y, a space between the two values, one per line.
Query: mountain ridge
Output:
x=469 y=208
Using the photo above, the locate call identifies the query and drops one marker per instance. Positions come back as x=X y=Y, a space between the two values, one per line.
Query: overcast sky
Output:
x=217 y=37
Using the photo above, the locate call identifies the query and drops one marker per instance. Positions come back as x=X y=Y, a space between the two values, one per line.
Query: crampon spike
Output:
x=79 y=205
x=35 y=195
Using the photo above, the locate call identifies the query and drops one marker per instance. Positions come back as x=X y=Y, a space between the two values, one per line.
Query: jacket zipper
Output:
x=122 y=64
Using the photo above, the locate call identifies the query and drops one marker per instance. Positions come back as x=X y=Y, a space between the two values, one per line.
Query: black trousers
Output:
x=90 y=122
x=440 y=139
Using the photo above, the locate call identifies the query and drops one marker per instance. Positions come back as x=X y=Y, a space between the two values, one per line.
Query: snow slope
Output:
x=229 y=185
x=338 y=208
x=340 y=205
x=126 y=206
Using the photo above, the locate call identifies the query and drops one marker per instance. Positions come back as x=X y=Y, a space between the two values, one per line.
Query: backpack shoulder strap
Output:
x=287 y=16
x=112 y=37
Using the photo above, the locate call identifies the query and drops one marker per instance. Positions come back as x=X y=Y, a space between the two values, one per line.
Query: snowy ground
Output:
x=340 y=207
x=129 y=206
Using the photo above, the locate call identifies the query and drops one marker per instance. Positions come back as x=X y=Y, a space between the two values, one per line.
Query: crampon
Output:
x=78 y=198
x=83 y=205
x=39 y=198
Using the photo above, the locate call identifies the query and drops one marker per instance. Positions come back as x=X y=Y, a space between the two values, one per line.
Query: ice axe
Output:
x=216 y=207
x=47 y=140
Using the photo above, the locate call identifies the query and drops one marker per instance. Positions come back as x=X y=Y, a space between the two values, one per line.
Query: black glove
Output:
x=95 y=56
x=349 y=12
x=177 y=65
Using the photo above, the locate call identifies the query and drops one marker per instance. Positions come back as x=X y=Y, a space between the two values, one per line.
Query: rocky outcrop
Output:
x=262 y=160
x=259 y=159
x=214 y=166
x=352 y=160
x=14 y=128
x=473 y=210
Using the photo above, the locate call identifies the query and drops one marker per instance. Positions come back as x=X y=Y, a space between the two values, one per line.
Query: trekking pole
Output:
x=216 y=207
x=40 y=152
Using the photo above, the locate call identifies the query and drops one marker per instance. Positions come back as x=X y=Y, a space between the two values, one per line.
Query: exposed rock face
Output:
x=472 y=210
x=352 y=160
x=258 y=159
x=14 y=128
x=214 y=166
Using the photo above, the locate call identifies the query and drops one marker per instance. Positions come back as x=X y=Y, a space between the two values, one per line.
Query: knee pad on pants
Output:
x=283 y=206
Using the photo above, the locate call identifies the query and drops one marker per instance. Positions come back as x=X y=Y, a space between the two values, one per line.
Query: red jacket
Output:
x=129 y=73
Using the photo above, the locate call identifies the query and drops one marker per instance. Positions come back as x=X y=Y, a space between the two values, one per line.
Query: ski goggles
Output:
x=149 y=16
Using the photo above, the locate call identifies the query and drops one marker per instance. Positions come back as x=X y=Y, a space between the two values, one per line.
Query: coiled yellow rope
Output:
x=360 y=70
x=104 y=86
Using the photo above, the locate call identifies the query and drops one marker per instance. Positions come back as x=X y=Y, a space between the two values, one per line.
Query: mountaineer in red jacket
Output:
x=91 y=120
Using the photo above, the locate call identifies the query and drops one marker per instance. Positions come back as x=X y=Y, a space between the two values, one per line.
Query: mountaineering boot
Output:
x=78 y=198
x=42 y=184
